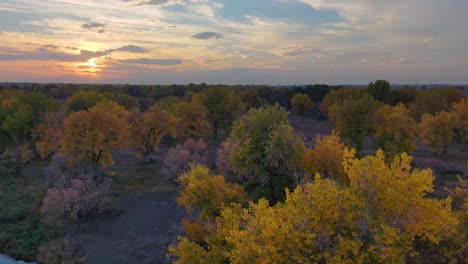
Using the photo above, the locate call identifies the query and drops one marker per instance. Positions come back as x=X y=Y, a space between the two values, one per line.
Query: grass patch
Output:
x=136 y=175
x=20 y=231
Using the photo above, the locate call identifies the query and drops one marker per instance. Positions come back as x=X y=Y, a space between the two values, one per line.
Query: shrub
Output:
x=223 y=165
x=80 y=199
x=179 y=158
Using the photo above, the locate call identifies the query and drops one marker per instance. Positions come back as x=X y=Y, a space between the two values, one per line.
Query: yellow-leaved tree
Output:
x=148 y=128
x=207 y=194
x=326 y=158
x=437 y=130
x=111 y=107
x=461 y=111
x=378 y=218
x=89 y=136
x=395 y=130
x=192 y=119
x=301 y=103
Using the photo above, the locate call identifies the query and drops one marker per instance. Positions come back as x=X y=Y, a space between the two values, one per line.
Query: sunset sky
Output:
x=234 y=41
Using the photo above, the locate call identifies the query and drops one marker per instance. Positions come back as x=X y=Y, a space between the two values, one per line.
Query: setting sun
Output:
x=92 y=63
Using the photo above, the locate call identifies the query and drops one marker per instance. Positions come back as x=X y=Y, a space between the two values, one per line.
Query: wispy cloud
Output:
x=165 y=62
x=92 y=25
x=208 y=35
x=314 y=40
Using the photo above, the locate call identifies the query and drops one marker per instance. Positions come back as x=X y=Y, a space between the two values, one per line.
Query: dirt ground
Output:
x=149 y=224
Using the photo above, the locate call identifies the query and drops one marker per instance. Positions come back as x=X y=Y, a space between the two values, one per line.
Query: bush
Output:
x=80 y=199
x=223 y=165
x=178 y=159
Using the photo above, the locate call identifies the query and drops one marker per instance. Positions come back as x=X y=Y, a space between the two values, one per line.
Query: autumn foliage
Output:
x=377 y=219
x=89 y=136
x=69 y=203
x=461 y=111
x=148 y=128
x=326 y=159
x=179 y=159
x=49 y=133
x=437 y=130
x=395 y=131
x=192 y=120
x=301 y=103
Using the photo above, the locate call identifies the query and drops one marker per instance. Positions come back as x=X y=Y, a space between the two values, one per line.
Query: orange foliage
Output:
x=49 y=132
x=89 y=136
x=148 y=128
x=326 y=158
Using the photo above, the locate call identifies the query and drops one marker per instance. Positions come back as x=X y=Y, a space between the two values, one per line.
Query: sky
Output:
x=275 y=42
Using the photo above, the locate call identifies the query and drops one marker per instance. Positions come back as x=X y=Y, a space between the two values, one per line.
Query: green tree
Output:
x=83 y=100
x=267 y=151
x=224 y=105
x=339 y=96
x=380 y=90
x=353 y=119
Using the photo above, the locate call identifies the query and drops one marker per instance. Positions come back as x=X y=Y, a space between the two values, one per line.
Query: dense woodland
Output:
x=256 y=190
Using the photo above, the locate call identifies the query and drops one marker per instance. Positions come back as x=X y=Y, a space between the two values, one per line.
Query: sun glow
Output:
x=92 y=63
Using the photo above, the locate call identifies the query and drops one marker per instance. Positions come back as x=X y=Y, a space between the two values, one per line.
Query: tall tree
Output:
x=380 y=90
x=83 y=100
x=224 y=105
x=381 y=217
x=353 y=119
x=301 y=103
x=437 y=130
x=461 y=111
x=395 y=130
x=326 y=158
x=338 y=97
x=267 y=151
x=148 y=128
x=434 y=101
x=192 y=119
x=89 y=136
x=49 y=132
